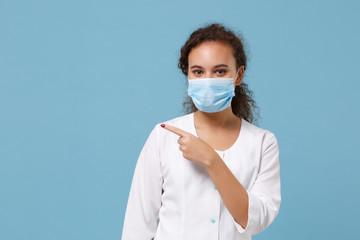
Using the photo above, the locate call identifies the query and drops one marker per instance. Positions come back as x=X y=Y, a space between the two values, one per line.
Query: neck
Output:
x=217 y=119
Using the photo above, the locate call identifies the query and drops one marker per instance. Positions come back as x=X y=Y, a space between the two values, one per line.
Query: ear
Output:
x=240 y=76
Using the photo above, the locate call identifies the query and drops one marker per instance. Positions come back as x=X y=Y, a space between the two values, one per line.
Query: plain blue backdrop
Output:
x=82 y=84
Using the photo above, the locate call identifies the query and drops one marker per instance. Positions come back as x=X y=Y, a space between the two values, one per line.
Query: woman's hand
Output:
x=192 y=147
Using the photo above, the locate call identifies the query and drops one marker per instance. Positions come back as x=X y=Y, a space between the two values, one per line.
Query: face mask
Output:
x=211 y=94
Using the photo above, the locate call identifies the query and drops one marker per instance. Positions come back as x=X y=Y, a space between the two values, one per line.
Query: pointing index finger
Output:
x=175 y=130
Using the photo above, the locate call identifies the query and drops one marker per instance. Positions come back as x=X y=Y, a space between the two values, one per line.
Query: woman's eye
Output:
x=221 y=71
x=197 y=72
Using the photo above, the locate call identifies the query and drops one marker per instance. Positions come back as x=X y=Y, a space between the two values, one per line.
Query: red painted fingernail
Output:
x=162 y=125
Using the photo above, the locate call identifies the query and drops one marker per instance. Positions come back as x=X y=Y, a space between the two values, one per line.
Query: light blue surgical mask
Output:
x=212 y=94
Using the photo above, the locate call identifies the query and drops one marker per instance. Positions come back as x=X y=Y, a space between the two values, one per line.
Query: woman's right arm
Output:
x=144 y=202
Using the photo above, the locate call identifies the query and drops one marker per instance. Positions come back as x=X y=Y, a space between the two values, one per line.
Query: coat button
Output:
x=214 y=187
x=213 y=220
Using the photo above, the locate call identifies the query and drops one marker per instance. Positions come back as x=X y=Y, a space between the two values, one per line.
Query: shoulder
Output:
x=183 y=122
x=259 y=135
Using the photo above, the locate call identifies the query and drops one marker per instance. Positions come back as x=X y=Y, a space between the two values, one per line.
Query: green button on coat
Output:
x=215 y=187
x=213 y=220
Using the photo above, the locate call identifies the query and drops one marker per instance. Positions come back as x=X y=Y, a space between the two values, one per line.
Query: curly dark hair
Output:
x=242 y=104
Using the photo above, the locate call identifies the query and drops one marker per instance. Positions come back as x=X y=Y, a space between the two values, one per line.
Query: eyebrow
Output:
x=219 y=65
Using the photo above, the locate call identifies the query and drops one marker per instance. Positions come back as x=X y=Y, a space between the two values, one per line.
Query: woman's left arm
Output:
x=255 y=209
x=232 y=192
x=252 y=210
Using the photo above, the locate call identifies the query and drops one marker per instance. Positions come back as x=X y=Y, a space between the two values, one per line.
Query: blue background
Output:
x=82 y=84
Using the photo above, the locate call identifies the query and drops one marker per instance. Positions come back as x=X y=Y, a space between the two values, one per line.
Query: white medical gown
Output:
x=172 y=198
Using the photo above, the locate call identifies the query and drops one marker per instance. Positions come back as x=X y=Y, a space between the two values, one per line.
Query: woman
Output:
x=210 y=174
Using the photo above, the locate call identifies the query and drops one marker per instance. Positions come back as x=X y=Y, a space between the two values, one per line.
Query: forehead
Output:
x=208 y=54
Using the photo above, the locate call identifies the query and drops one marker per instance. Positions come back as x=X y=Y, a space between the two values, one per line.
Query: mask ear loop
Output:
x=236 y=75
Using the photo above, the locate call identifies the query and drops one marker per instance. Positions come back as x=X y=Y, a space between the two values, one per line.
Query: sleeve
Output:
x=265 y=195
x=144 y=201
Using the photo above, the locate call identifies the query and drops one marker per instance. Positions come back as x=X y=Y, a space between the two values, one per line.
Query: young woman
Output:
x=210 y=174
